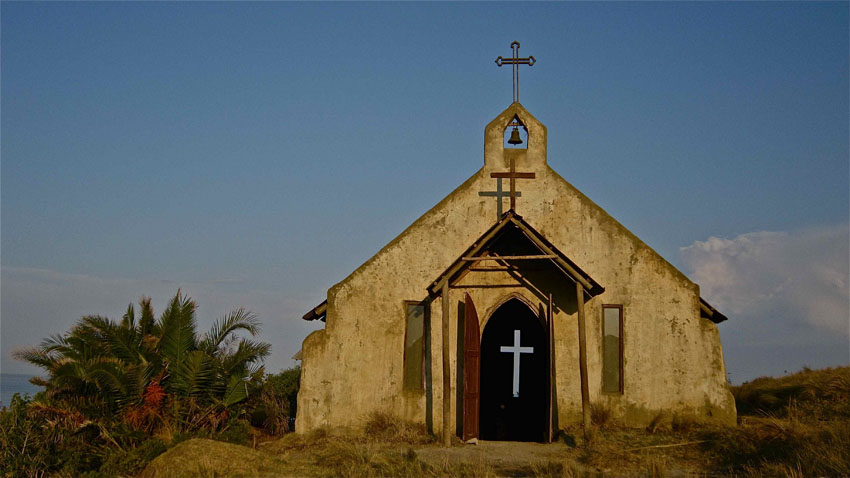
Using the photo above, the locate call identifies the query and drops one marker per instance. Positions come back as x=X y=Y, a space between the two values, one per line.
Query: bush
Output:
x=273 y=408
x=237 y=432
x=36 y=439
x=132 y=461
x=285 y=384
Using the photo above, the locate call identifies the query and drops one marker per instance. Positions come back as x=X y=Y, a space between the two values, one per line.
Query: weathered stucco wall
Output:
x=673 y=358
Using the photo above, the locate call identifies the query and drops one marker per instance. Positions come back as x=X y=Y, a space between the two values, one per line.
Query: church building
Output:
x=508 y=309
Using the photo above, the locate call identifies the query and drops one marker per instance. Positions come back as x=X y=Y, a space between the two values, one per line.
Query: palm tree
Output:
x=149 y=371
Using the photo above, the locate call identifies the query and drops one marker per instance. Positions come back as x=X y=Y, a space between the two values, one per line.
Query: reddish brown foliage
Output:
x=145 y=416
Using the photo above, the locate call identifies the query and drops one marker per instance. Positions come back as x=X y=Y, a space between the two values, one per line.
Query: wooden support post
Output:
x=582 y=358
x=550 y=321
x=447 y=378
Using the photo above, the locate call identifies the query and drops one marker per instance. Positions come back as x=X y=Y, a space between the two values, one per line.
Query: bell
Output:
x=515 y=139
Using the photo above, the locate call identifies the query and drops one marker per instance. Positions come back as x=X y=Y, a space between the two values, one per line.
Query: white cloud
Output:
x=797 y=276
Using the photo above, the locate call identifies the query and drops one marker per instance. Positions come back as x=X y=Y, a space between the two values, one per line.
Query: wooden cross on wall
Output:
x=513 y=175
x=498 y=194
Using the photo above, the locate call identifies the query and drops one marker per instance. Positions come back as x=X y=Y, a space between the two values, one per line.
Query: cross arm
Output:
x=518 y=61
x=513 y=175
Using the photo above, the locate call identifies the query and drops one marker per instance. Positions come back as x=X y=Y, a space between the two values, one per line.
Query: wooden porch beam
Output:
x=447 y=379
x=491 y=268
x=582 y=360
x=508 y=258
x=550 y=319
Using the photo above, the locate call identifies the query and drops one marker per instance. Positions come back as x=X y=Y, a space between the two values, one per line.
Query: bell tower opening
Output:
x=516 y=134
x=514 y=371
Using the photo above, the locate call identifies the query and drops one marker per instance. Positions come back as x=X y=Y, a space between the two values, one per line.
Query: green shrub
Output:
x=273 y=408
x=132 y=461
x=285 y=384
x=36 y=440
x=237 y=432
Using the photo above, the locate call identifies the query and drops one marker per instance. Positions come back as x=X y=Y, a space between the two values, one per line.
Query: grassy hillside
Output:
x=808 y=395
x=795 y=425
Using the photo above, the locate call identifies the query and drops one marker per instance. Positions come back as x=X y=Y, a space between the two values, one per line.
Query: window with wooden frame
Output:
x=612 y=348
x=414 y=345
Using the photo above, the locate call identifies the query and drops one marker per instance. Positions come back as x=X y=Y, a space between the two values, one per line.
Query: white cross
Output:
x=516 y=350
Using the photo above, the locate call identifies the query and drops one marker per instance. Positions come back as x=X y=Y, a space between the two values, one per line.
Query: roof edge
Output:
x=710 y=313
x=318 y=312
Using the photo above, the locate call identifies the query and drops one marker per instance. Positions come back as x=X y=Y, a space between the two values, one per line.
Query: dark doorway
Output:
x=504 y=416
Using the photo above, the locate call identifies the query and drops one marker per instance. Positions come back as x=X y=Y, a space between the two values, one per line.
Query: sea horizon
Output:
x=12 y=383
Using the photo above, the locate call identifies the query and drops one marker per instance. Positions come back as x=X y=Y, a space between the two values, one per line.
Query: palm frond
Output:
x=125 y=343
x=129 y=319
x=68 y=374
x=53 y=342
x=237 y=390
x=35 y=356
x=91 y=336
x=194 y=374
x=239 y=319
x=146 y=321
x=246 y=353
x=177 y=330
x=109 y=376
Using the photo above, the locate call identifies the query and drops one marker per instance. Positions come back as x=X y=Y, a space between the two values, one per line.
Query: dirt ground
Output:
x=532 y=459
x=505 y=458
x=614 y=455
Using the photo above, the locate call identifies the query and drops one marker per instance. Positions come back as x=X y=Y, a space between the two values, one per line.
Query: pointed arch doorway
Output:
x=513 y=389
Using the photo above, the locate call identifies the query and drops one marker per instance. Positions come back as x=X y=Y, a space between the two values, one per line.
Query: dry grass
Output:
x=684 y=423
x=800 y=427
x=813 y=395
x=556 y=469
x=656 y=468
x=387 y=428
x=370 y=460
x=658 y=423
x=600 y=414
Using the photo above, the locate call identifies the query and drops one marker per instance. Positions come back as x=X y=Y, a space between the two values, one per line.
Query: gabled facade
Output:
x=470 y=321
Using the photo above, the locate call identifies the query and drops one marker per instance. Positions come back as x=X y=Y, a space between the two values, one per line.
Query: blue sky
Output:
x=254 y=154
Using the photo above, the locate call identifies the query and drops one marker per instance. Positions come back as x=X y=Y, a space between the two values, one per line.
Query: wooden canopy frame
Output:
x=548 y=252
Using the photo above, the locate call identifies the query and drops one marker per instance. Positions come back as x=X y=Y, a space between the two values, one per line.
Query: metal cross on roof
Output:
x=513 y=175
x=516 y=61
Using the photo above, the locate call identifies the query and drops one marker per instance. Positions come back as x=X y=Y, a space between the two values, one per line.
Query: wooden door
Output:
x=471 y=369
